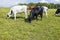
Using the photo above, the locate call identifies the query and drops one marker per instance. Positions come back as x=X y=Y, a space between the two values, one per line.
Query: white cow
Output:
x=17 y=9
x=45 y=10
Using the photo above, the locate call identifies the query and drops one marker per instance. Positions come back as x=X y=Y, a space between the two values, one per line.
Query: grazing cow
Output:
x=45 y=9
x=35 y=12
x=17 y=9
x=57 y=11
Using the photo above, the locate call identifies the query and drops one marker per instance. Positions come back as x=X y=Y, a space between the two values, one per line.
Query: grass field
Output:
x=47 y=29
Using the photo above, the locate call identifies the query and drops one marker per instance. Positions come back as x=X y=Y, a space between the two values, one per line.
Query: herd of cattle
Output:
x=35 y=11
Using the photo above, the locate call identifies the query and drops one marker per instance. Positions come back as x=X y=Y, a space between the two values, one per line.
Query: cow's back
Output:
x=20 y=8
x=37 y=10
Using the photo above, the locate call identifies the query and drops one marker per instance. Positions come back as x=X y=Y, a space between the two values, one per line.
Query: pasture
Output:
x=47 y=29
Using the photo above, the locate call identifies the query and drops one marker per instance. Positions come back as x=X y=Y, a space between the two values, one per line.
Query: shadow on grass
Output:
x=18 y=17
x=57 y=15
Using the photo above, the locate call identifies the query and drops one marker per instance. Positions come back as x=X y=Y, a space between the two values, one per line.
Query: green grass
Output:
x=47 y=29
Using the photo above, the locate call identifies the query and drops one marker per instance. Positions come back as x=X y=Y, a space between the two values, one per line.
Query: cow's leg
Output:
x=41 y=15
x=25 y=14
x=46 y=14
x=36 y=16
x=14 y=16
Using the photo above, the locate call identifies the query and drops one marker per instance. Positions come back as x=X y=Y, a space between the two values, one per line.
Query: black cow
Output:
x=35 y=12
x=57 y=11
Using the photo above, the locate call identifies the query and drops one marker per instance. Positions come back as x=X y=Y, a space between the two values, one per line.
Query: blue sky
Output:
x=7 y=3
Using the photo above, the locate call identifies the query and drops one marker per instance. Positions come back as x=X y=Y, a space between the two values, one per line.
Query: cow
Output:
x=34 y=13
x=45 y=10
x=57 y=11
x=17 y=9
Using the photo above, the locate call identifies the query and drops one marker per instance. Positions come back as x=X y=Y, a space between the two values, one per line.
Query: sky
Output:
x=8 y=3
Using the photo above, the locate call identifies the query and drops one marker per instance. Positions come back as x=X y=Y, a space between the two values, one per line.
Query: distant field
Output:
x=47 y=29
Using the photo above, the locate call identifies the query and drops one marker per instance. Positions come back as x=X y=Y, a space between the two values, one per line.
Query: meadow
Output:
x=47 y=29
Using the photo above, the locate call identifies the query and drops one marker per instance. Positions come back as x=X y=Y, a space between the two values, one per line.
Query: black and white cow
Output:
x=57 y=11
x=17 y=9
x=35 y=12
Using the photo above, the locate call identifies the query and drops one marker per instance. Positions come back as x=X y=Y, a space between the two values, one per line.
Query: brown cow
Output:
x=30 y=7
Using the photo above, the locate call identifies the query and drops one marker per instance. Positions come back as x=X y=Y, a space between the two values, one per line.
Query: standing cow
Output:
x=45 y=10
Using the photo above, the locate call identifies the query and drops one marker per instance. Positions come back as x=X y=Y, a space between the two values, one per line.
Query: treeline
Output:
x=49 y=5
